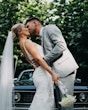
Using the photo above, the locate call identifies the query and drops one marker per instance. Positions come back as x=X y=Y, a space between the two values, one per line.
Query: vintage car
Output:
x=24 y=91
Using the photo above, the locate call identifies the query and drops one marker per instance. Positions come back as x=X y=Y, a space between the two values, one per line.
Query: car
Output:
x=24 y=90
x=81 y=93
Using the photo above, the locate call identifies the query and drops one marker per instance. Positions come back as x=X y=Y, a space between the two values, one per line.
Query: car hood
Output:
x=85 y=88
x=23 y=83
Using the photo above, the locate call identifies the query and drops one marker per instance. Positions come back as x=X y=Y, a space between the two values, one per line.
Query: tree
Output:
x=72 y=19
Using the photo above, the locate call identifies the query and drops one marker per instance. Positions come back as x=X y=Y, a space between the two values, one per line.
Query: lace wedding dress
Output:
x=44 y=96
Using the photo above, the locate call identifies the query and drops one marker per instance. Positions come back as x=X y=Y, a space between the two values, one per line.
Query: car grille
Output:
x=82 y=99
x=24 y=99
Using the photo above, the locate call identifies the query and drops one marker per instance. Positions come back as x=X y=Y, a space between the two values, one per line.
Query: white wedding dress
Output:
x=44 y=96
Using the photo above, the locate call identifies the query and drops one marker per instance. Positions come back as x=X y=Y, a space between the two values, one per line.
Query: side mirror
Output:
x=15 y=79
x=77 y=80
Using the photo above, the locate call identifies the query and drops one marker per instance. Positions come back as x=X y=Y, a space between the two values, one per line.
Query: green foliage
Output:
x=8 y=17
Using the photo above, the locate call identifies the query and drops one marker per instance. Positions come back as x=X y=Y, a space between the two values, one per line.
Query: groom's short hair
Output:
x=33 y=18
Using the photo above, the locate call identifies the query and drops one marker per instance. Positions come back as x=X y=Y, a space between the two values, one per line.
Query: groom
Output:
x=57 y=55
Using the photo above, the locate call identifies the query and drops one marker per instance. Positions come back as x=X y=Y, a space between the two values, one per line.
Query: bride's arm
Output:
x=31 y=47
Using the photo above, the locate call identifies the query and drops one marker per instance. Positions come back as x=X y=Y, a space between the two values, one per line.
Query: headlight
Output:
x=83 y=97
x=17 y=97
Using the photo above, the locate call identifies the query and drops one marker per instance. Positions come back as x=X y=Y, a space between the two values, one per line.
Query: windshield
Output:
x=27 y=76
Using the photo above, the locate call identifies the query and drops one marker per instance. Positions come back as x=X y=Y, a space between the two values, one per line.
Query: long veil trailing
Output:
x=6 y=75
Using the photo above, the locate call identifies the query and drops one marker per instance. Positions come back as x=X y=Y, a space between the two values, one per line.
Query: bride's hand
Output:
x=55 y=78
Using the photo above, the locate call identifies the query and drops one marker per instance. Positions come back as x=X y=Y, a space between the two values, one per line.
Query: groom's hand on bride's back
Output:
x=35 y=63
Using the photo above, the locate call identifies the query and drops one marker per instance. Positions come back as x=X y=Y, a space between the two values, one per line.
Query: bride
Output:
x=43 y=76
